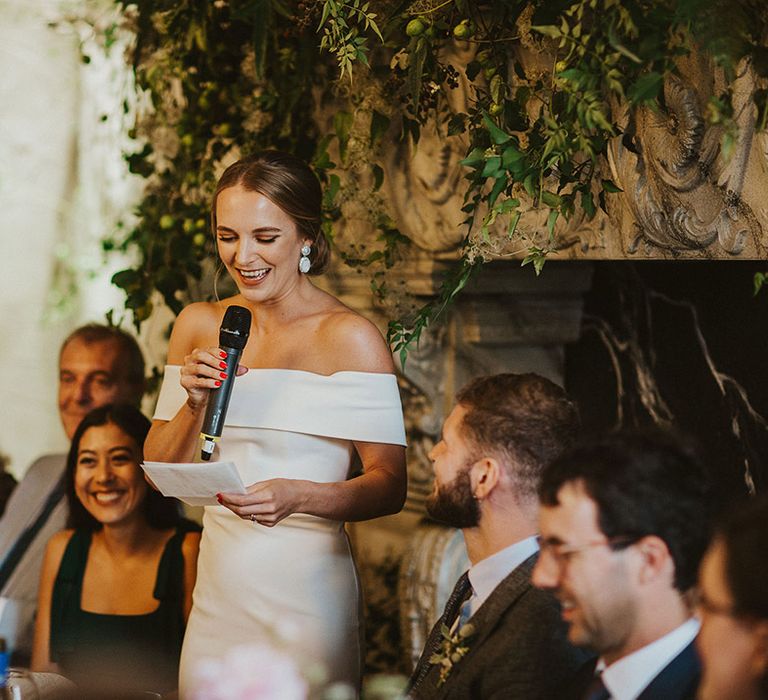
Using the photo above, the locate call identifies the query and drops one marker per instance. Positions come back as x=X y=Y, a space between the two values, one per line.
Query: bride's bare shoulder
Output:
x=195 y=327
x=355 y=343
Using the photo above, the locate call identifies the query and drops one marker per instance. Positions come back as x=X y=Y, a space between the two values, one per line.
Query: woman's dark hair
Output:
x=745 y=536
x=161 y=513
x=288 y=182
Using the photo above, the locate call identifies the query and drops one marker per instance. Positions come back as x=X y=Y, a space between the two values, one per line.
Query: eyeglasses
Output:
x=561 y=552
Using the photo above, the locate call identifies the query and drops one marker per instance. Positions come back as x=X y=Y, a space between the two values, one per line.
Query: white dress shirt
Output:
x=626 y=678
x=491 y=571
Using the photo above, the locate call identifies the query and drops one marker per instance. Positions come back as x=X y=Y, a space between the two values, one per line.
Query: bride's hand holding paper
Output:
x=197 y=484
x=268 y=502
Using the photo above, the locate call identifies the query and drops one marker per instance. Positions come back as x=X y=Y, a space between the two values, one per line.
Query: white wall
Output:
x=62 y=186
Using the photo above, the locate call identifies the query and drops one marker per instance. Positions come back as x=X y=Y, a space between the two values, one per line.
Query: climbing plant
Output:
x=232 y=76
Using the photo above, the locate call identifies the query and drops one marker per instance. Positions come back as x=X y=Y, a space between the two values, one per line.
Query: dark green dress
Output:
x=122 y=653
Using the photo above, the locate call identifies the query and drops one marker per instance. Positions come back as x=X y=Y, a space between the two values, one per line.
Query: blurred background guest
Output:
x=97 y=365
x=733 y=606
x=116 y=588
x=624 y=523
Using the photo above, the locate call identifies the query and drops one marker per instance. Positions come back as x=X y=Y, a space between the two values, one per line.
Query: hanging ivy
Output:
x=228 y=77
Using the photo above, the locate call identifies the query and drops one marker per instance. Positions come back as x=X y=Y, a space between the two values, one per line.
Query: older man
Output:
x=623 y=526
x=97 y=365
x=499 y=636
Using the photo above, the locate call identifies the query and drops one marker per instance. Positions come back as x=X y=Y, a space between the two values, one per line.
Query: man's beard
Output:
x=454 y=504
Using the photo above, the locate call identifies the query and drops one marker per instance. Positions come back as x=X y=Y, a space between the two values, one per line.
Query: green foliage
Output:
x=341 y=23
x=760 y=279
x=234 y=76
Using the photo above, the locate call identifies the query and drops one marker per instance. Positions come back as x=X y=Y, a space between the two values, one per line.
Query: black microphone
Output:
x=233 y=335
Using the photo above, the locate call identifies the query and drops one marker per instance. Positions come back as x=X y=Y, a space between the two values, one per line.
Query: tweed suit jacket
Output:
x=519 y=649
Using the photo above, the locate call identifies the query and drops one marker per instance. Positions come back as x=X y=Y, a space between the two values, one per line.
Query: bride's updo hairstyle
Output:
x=289 y=183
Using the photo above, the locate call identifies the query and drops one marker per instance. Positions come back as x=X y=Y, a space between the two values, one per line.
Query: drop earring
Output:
x=304 y=261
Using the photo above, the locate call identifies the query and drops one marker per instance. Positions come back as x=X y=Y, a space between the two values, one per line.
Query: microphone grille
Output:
x=235 y=327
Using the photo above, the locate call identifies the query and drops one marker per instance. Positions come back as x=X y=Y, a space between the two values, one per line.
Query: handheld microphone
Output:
x=233 y=335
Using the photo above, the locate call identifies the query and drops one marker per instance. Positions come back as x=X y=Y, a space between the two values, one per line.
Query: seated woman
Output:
x=733 y=606
x=116 y=589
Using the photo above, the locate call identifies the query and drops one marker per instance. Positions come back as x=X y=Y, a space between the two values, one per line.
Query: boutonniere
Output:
x=453 y=648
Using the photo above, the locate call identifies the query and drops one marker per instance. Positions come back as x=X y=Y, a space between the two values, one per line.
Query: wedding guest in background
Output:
x=502 y=432
x=116 y=588
x=97 y=365
x=319 y=387
x=624 y=523
x=733 y=606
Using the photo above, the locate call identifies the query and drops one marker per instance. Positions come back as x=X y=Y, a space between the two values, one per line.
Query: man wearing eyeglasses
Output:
x=499 y=637
x=623 y=525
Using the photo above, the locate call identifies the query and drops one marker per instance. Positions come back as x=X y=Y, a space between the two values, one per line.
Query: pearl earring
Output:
x=304 y=261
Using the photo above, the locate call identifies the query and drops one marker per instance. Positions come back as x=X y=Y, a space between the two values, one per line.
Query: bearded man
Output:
x=499 y=635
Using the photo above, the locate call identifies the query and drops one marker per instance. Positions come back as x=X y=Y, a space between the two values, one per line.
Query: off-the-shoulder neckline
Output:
x=313 y=374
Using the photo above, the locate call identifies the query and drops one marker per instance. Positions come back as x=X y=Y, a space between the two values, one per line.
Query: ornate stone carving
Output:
x=682 y=197
x=679 y=195
x=428 y=572
x=423 y=183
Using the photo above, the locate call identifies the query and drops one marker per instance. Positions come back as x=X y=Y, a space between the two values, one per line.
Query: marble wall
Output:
x=682 y=345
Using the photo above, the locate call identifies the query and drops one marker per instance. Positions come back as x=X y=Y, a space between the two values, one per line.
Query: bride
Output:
x=316 y=385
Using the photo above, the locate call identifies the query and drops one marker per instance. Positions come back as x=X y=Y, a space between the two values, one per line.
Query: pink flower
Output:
x=252 y=672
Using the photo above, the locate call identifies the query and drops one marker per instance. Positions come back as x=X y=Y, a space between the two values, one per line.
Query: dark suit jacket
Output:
x=519 y=648
x=678 y=680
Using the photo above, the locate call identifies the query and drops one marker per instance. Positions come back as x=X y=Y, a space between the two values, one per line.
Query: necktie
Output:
x=461 y=591
x=597 y=689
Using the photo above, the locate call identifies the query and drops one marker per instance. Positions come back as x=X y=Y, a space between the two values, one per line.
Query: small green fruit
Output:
x=463 y=30
x=199 y=239
x=483 y=56
x=188 y=225
x=187 y=140
x=200 y=224
x=167 y=222
x=415 y=27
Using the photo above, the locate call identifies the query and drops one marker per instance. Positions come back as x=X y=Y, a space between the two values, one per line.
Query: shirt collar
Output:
x=491 y=571
x=626 y=678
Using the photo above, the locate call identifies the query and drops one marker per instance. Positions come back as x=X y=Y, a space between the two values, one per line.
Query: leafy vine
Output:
x=232 y=76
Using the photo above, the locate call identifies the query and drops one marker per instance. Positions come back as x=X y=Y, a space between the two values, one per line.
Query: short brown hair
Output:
x=288 y=182
x=525 y=418
x=132 y=358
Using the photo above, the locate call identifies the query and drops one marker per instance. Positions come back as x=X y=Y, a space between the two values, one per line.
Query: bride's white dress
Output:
x=297 y=578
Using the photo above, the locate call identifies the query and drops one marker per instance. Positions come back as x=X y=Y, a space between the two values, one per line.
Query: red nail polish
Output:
x=222 y=375
x=222 y=355
x=218 y=383
x=223 y=365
